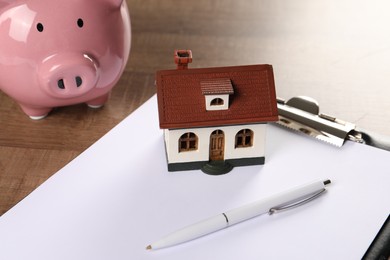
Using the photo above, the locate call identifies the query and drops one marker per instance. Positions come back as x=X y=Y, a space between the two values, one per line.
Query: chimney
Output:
x=182 y=58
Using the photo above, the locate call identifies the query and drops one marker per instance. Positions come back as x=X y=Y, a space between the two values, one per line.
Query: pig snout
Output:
x=68 y=75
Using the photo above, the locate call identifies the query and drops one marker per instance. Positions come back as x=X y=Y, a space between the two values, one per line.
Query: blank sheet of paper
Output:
x=117 y=197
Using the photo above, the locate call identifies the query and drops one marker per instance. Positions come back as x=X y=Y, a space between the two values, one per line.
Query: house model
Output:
x=215 y=119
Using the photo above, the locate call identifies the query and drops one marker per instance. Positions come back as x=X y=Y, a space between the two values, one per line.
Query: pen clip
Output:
x=296 y=204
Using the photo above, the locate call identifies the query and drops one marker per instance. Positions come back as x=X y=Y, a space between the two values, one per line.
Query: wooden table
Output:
x=337 y=52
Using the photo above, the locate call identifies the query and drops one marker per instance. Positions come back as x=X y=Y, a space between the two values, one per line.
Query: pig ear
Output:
x=116 y=3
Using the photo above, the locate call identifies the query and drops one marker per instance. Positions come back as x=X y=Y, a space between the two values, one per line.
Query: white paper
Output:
x=117 y=197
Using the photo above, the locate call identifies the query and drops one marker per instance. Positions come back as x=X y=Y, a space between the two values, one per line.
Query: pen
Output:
x=283 y=200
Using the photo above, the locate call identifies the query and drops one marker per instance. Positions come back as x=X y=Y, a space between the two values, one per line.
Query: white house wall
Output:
x=202 y=153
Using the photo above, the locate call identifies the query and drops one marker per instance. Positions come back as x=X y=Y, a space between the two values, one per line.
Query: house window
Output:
x=244 y=138
x=188 y=142
x=216 y=102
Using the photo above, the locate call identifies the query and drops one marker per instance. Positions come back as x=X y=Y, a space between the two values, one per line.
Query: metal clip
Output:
x=302 y=114
x=296 y=204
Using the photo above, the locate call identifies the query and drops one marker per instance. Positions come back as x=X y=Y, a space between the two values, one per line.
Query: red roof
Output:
x=181 y=103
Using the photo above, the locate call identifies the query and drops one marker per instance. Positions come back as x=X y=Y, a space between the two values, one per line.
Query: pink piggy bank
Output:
x=64 y=52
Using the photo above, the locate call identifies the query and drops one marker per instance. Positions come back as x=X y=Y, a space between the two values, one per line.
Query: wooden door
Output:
x=217 y=145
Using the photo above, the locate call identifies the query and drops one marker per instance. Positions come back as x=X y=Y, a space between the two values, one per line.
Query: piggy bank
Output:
x=63 y=52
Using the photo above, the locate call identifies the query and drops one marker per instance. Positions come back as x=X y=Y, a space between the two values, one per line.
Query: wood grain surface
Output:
x=337 y=52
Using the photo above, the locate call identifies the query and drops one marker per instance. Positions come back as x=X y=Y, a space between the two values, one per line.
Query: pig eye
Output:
x=40 y=27
x=80 y=23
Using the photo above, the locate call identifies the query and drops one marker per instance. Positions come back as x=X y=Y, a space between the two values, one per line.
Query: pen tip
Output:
x=327 y=182
x=149 y=247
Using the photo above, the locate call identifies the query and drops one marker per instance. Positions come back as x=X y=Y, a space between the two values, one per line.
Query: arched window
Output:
x=244 y=138
x=188 y=142
x=217 y=102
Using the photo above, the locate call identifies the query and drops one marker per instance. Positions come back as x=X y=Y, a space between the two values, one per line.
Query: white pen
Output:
x=287 y=199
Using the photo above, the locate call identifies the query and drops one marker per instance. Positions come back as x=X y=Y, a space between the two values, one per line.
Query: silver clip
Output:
x=303 y=115
x=296 y=204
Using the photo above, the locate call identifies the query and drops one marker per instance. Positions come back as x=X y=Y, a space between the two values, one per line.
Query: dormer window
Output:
x=217 y=102
x=216 y=93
